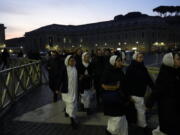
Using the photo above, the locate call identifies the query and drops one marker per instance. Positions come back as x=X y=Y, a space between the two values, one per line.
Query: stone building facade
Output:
x=131 y=31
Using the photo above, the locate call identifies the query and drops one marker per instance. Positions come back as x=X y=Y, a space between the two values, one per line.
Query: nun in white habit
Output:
x=69 y=88
x=85 y=81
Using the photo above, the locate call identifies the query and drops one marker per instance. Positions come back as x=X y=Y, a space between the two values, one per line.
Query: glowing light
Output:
x=156 y=44
x=2 y=46
x=47 y=47
x=11 y=51
x=134 y=48
x=119 y=49
x=162 y=44
x=55 y=47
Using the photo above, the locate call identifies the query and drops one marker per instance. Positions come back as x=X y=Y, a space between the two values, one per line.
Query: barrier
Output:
x=18 y=80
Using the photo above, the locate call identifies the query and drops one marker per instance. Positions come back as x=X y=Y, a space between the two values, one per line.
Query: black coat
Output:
x=137 y=79
x=78 y=60
x=54 y=67
x=85 y=81
x=63 y=80
x=98 y=64
x=114 y=101
x=166 y=94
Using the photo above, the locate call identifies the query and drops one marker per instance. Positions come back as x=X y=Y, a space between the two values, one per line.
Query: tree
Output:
x=177 y=10
x=162 y=10
x=171 y=10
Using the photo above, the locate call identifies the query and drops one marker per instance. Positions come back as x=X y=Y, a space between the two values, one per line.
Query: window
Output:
x=142 y=34
x=51 y=41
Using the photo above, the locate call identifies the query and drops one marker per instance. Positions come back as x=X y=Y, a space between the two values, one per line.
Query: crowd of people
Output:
x=77 y=77
x=6 y=56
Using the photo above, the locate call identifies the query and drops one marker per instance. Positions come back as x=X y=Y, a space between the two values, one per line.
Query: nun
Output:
x=138 y=79
x=114 y=99
x=166 y=95
x=85 y=81
x=68 y=83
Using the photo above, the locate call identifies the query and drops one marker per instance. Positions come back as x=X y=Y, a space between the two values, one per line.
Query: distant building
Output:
x=2 y=34
x=15 y=42
x=131 y=31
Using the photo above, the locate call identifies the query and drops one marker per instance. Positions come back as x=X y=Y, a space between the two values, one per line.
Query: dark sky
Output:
x=20 y=16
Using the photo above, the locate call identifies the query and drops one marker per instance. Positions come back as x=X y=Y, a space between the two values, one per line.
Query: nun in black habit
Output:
x=114 y=99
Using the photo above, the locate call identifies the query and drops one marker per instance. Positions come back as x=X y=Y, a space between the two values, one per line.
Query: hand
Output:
x=56 y=91
x=81 y=77
x=132 y=100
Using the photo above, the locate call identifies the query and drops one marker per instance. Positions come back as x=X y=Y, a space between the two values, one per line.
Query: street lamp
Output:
x=81 y=40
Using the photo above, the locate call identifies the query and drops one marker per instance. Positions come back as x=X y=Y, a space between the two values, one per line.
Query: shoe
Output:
x=74 y=124
x=107 y=132
x=147 y=131
x=88 y=111
x=55 y=98
x=66 y=115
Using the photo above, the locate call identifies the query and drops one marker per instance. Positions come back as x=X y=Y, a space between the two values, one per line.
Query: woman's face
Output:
x=86 y=58
x=119 y=63
x=99 y=53
x=72 y=62
x=140 y=58
x=177 y=61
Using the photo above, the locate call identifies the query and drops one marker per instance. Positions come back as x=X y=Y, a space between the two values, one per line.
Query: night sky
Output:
x=20 y=16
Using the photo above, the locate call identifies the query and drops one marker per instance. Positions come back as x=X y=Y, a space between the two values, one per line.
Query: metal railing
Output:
x=18 y=80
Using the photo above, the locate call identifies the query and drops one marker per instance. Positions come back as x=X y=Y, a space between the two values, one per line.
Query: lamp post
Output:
x=137 y=43
x=105 y=44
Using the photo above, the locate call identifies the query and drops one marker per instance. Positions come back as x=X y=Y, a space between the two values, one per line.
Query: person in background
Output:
x=5 y=57
x=77 y=57
x=68 y=88
x=20 y=53
x=54 y=66
x=138 y=78
x=107 y=55
x=114 y=99
x=166 y=94
x=85 y=81
x=98 y=64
